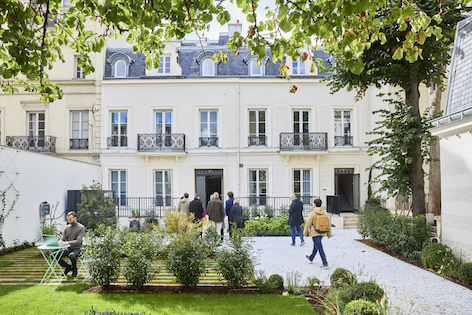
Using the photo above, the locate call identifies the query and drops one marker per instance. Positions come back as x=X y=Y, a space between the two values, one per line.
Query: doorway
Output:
x=207 y=182
x=346 y=185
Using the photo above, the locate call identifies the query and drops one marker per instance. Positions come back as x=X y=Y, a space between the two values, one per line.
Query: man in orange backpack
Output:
x=317 y=231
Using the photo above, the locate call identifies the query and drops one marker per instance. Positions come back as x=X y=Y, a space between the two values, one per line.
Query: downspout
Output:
x=238 y=141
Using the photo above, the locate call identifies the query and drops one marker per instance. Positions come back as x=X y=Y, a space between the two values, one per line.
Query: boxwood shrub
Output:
x=465 y=273
x=438 y=256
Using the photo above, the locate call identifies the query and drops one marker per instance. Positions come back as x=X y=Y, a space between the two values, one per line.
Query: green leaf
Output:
x=282 y=12
x=356 y=67
x=286 y=25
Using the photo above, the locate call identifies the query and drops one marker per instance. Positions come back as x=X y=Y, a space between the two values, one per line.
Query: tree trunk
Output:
x=434 y=200
x=416 y=171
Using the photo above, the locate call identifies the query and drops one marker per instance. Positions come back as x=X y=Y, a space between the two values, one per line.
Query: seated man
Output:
x=72 y=235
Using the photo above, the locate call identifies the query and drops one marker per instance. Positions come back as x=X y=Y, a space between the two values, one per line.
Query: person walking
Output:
x=295 y=219
x=317 y=235
x=228 y=206
x=236 y=215
x=216 y=211
x=196 y=207
x=183 y=207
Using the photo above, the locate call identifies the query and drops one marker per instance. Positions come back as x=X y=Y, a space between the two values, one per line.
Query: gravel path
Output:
x=409 y=288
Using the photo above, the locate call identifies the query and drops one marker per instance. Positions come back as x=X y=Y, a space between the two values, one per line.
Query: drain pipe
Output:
x=238 y=136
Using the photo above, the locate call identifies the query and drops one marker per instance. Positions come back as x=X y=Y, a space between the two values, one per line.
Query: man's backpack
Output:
x=322 y=223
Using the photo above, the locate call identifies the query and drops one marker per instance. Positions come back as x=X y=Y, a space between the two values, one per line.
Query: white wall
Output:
x=36 y=178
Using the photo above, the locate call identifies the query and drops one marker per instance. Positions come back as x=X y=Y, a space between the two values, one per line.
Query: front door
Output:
x=346 y=185
x=207 y=182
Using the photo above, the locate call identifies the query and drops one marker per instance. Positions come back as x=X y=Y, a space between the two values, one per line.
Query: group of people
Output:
x=295 y=221
x=216 y=211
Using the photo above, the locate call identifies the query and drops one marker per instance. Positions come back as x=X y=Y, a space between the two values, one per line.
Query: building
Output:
x=454 y=130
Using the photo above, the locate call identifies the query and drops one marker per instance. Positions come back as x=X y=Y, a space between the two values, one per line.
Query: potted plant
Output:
x=134 y=222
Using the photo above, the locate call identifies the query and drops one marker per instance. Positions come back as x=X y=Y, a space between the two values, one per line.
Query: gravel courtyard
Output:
x=409 y=288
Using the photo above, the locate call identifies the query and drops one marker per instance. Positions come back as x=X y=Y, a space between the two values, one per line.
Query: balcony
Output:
x=46 y=144
x=158 y=142
x=309 y=141
x=116 y=141
x=208 y=141
x=79 y=144
x=257 y=141
x=343 y=141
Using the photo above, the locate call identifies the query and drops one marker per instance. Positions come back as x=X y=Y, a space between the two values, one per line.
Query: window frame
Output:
x=119 y=193
x=117 y=62
x=213 y=67
x=252 y=64
x=165 y=194
x=303 y=182
x=79 y=72
x=299 y=65
x=257 y=122
x=342 y=126
x=164 y=65
x=81 y=113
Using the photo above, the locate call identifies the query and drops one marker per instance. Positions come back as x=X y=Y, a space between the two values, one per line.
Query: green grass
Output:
x=65 y=299
x=4 y=264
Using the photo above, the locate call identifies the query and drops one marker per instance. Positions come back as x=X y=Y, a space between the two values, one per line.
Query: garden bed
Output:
x=412 y=262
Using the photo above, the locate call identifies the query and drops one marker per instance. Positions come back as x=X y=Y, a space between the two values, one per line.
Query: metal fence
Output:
x=253 y=206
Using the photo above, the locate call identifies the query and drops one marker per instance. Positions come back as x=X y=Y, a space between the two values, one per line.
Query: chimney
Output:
x=234 y=27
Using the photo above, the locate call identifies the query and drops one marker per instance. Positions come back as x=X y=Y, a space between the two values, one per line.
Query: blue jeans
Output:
x=299 y=230
x=318 y=247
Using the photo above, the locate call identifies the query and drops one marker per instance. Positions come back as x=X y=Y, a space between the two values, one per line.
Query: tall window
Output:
x=302 y=184
x=118 y=185
x=257 y=127
x=120 y=68
x=256 y=69
x=209 y=128
x=79 y=72
x=36 y=124
x=342 y=127
x=163 y=188
x=301 y=127
x=164 y=65
x=208 y=67
x=257 y=186
x=79 y=127
x=298 y=67
x=119 y=126
x=164 y=122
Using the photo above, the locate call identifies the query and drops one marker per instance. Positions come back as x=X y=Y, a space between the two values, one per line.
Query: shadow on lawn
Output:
x=7 y=289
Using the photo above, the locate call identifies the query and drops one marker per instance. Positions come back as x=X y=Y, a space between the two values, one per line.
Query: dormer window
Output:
x=256 y=69
x=120 y=68
x=298 y=67
x=120 y=63
x=164 y=65
x=208 y=67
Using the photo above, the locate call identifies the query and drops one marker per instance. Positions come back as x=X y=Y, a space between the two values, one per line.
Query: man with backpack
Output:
x=317 y=226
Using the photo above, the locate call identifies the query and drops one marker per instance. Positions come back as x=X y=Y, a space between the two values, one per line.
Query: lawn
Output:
x=66 y=299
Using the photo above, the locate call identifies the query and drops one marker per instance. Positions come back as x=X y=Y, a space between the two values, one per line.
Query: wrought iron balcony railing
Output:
x=79 y=143
x=342 y=140
x=33 y=143
x=309 y=141
x=208 y=141
x=116 y=141
x=256 y=141
x=158 y=142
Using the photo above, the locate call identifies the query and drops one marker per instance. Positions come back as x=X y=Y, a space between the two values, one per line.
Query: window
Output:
x=256 y=69
x=298 y=66
x=208 y=67
x=209 y=128
x=164 y=122
x=301 y=128
x=257 y=187
x=302 y=184
x=36 y=130
x=79 y=72
x=164 y=65
x=79 y=126
x=342 y=127
x=257 y=127
x=120 y=68
x=118 y=185
x=119 y=128
x=163 y=188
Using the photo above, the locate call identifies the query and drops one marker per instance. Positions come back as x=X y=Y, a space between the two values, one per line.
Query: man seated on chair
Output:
x=72 y=235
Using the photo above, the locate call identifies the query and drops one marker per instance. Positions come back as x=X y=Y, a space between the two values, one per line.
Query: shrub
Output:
x=369 y=291
x=234 y=261
x=103 y=255
x=211 y=239
x=362 y=307
x=278 y=280
x=312 y=282
x=401 y=234
x=151 y=217
x=342 y=277
x=264 y=284
x=438 y=256
x=186 y=259
x=336 y=299
x=294 y=282
x=96 y=208
x=140 y=251
x=464 y=272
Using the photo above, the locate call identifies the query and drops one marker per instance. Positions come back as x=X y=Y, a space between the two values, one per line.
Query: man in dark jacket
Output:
x=196 y=207
x=236 y=215
x=295 y=219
